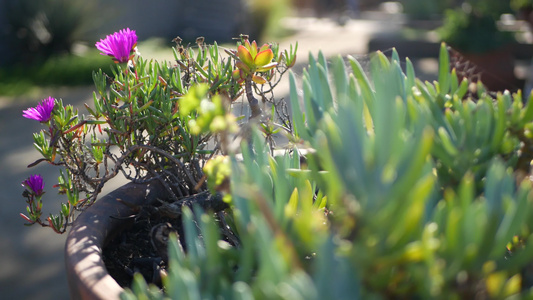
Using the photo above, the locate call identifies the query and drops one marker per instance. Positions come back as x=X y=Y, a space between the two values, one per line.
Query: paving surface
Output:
x=31 y=258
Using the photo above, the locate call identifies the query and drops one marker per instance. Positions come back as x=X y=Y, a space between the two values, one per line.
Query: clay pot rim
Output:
x=86 y=272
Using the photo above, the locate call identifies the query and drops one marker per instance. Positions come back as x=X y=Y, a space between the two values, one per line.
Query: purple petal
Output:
x=42 y=112
x=119 y=44
x=34 y=183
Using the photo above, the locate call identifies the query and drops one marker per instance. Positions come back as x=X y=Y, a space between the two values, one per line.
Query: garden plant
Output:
x=389 y=187
x=152 y=121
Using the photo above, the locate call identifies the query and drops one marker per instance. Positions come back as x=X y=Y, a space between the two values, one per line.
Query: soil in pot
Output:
x=140 y=247
x=132 y=252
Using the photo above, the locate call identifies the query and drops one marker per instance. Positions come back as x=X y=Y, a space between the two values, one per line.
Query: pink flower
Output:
x=35 y=184
x=42 y=112
x=119 y=45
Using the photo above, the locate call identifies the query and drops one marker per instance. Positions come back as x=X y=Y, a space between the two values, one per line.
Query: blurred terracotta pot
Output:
x=496 y=68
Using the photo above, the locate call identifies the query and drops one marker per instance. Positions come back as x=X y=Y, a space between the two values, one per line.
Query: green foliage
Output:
x=39 y=29
x=521 y=4
x=210 y=114
x=58 y=70
x=491 y=7
x=408 y=190
x=265 y=17
x=473 y=30
x=218 y=171
x=424 y=10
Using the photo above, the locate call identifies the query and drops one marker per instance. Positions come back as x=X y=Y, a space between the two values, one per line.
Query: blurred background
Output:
x=47 y=49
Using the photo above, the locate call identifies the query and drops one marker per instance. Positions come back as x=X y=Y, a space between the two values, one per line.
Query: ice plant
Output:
x=118 y=45
x=42 y=112
x=159 y=121
x=34 y=184
x=34 y=190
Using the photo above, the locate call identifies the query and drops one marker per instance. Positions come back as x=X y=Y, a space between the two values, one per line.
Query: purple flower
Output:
x=42 y=112
x=119 y=45
x=35 y=184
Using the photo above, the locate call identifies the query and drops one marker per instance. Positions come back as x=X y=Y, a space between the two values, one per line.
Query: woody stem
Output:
x=252 y=101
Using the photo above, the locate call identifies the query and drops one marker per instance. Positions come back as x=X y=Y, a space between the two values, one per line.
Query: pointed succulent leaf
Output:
x=247 y=44
x=253 y=49
x=26 y=218
x=267 y=67
x=444 y=70
x=259 y=79
x=264 y=47
x=245 y=56
x=264 y=58
x=243 y=67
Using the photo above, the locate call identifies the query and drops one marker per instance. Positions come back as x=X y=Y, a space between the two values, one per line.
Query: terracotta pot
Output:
x=86 y=272
x=526 y=14
x=496 y=69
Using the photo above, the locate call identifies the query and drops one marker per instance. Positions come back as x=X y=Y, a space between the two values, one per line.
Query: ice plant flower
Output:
x=34 y=184
x=119 y=45
x=42 y=112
